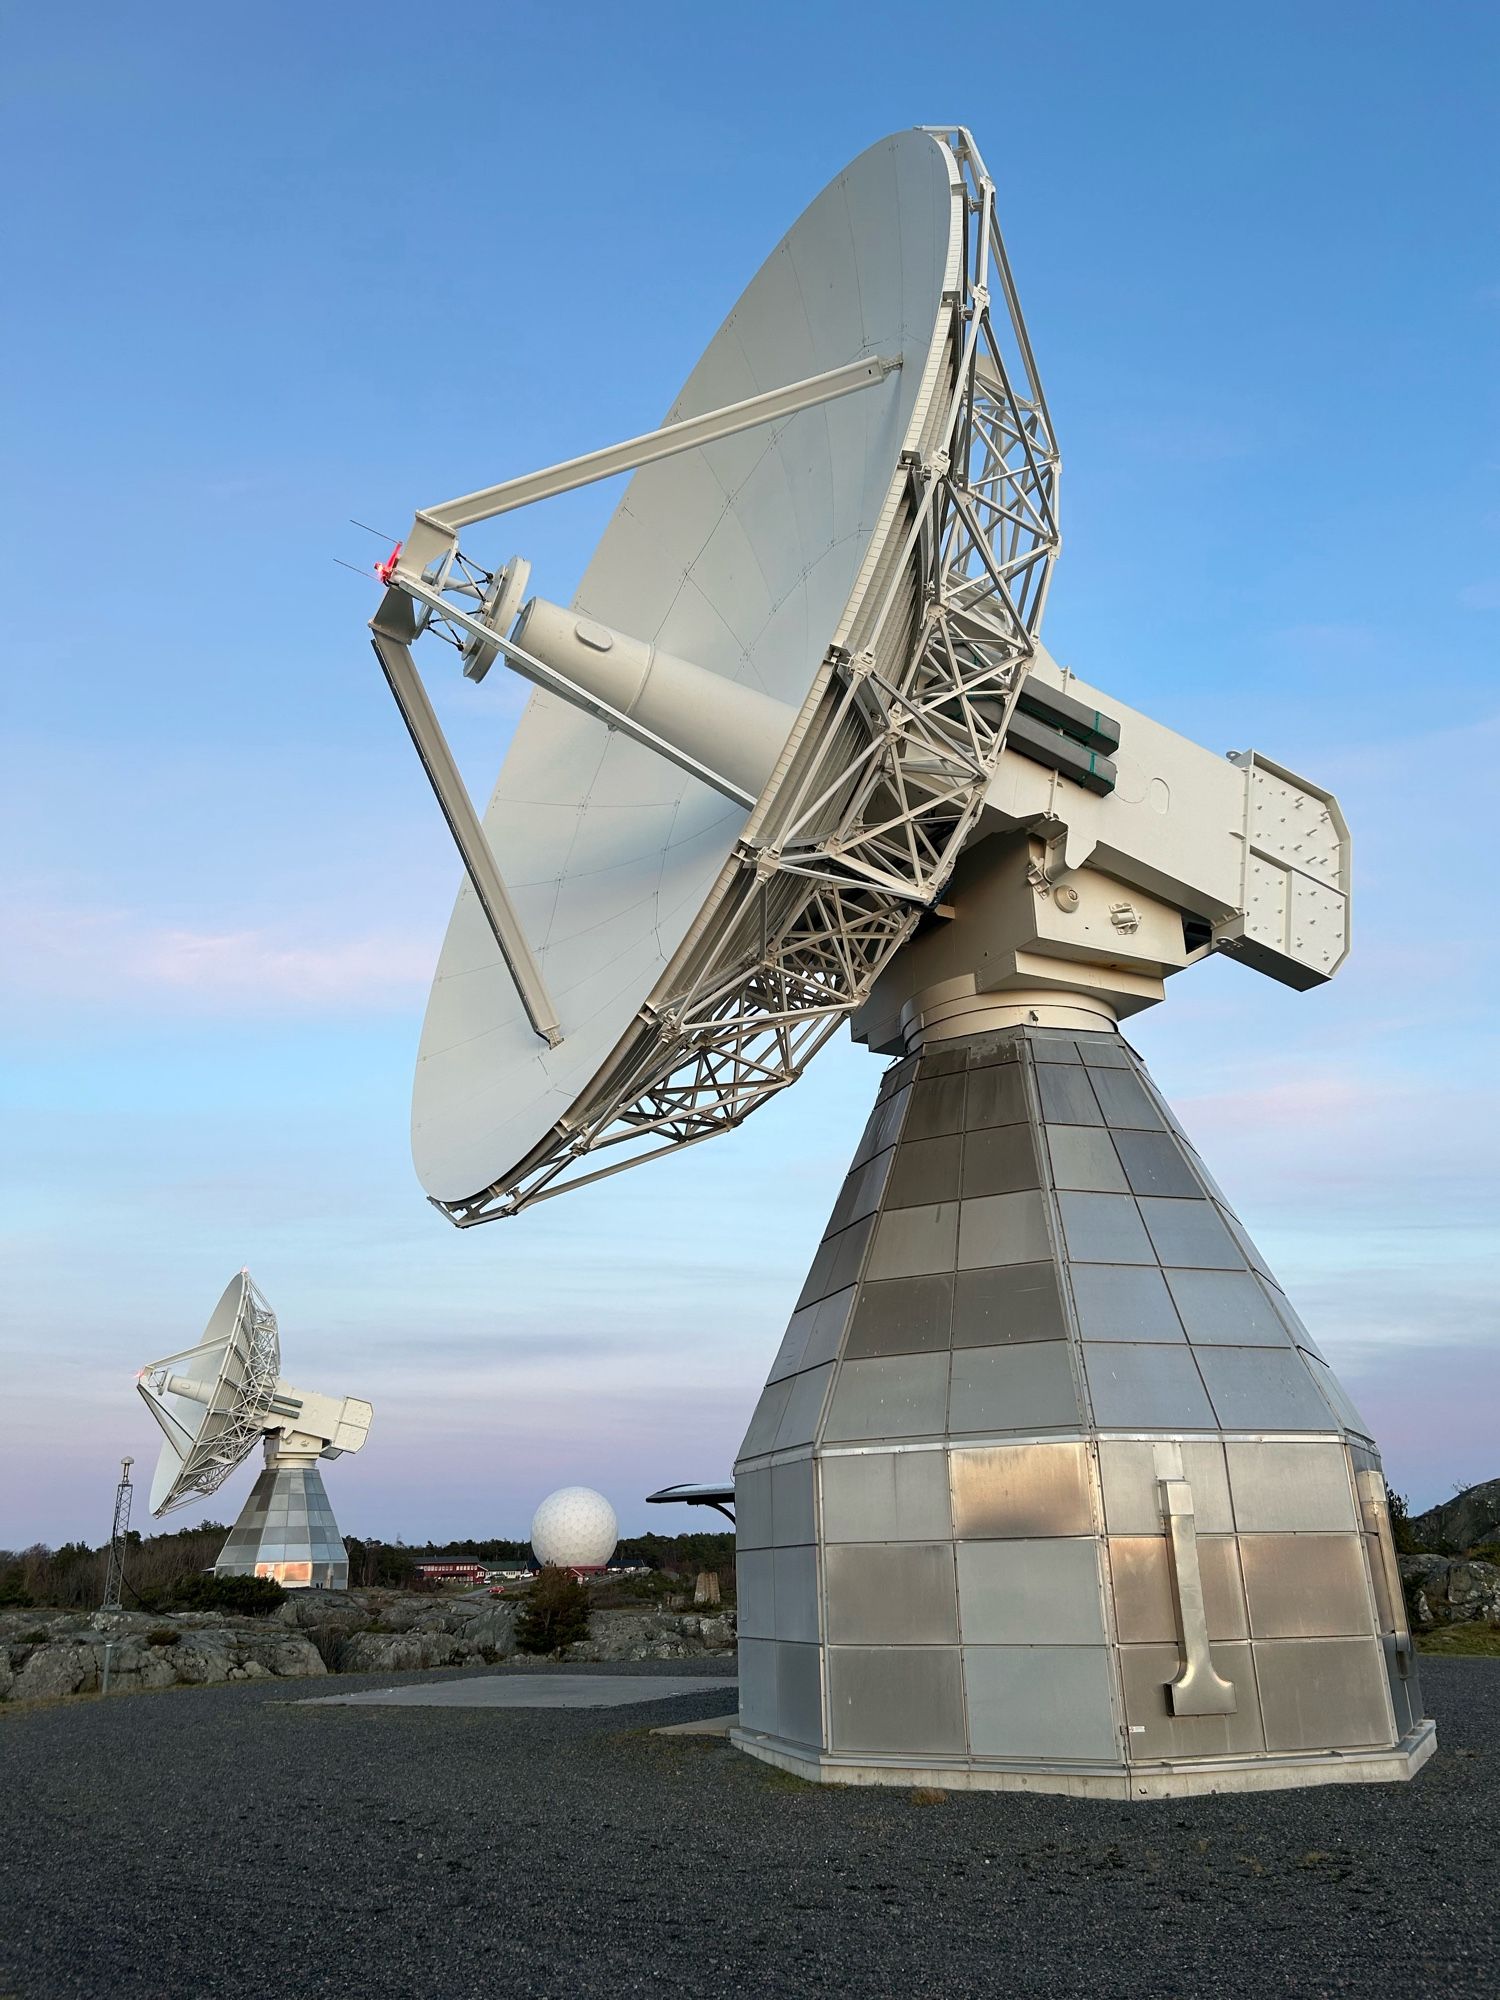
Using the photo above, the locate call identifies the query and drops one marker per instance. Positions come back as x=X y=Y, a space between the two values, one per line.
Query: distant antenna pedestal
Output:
x=1050 y=1488
x=286 y=1528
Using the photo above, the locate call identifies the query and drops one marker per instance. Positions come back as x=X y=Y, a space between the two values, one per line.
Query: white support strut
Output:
x=685 y=435
x=468 y=833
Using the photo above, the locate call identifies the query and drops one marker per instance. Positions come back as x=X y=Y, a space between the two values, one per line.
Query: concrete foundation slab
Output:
x=1181 y=1781
x=529 y=1691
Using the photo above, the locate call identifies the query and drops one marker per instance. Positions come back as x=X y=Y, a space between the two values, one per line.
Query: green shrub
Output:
x=555 y=1614
x=251 y=1596
x=37 y=1638
x=163 y=1635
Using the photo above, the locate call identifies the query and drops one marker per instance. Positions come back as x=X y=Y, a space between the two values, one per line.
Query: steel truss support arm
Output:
x=436 y=528
x=468 y=834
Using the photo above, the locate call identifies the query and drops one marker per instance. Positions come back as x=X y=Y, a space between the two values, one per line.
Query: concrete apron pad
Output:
x=528 y=1691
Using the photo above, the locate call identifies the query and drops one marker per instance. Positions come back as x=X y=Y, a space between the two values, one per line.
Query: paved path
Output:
x=232 y=1843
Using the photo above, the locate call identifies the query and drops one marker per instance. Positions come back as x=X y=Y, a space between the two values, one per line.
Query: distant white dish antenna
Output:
x=214 y=1402
x=575 y=1528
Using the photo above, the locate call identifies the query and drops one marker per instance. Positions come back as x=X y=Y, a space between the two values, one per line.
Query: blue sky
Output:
x=269 y=268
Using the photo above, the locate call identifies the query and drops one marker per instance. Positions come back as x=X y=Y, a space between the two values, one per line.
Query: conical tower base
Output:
x=1049 y=1487
x=286 y=1530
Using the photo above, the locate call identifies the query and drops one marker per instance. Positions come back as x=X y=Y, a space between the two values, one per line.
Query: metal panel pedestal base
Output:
x=1049 y=1488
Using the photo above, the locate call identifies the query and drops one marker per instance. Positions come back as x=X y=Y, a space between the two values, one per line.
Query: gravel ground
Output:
x=224 y=1841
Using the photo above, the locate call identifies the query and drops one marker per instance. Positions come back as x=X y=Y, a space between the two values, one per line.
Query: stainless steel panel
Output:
x=813 y=1335
x=1147 y=1388
x=904 y=1395
x=830 y=1317
x=1018 y=1387
x=755 y=1594
x=1154 y=1732
x=1190 y=1233
x=1034 y=1702
x=1307 y=1586
x=861 y=1193
x=1007 y=1302
x=1154 y=1164
x=1323 y=1694
x=1021 y=1490
x=1003 y=1229
x=1335 y=1394
x=1053 y=1047
x=893 y=1699
x=891 y=1594
x=799 y=1693
x=937 y=1106
x=804 y=1406
x=1103 y=1051
x=912 y=1241
x=925 y=1171
x=1131 y=1473
x=997 y=1096
x=1000 y=1159
x=888 y=1496
x=1084 y=1157
x=767 y=1418
x=1241 y=1236
x=1125 y=1100
x=1123 y=1302
x=1030 y=1593
x=838 y=1262
x=1067 y=1096
x=752 y=1509
x=884 y=1127
x=1225 y=1307
x=1281 y=1486
x=793 y=1344
x=902 y=1316
x=1292 y=1320
x=1141 y=1578
x=1263 y=1388
x=1104 y=1229
x=757 y=1675
x=793 y=1516
x=795 y=1586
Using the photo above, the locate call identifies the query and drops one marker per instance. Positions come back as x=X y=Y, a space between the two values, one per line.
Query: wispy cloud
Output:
x=106 y=958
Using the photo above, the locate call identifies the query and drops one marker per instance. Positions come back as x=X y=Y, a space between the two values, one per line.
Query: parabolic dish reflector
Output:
x=658 y=908
x=211 y=1400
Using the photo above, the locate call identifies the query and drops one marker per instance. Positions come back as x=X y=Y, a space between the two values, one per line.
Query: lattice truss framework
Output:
x=208 y=1464
x=896 y=746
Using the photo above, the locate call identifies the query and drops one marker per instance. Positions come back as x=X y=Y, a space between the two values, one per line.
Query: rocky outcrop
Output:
x=1448 y=1590
x=655 y=1635
x=1467 y=1521
x=44 y=1654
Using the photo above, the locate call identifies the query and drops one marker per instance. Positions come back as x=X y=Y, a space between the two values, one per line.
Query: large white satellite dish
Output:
x=214 y=1403
x=766 y=723
x=799 y=754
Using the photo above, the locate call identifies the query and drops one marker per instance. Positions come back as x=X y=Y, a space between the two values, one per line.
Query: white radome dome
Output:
x=576 y=1528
